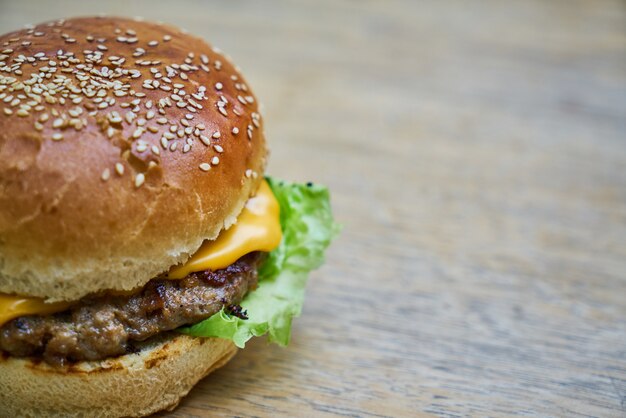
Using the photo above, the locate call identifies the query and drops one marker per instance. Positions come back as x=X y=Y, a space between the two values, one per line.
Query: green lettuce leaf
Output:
x=308 y=228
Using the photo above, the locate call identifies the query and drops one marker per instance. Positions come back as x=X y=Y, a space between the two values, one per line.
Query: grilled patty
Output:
x=105 y=326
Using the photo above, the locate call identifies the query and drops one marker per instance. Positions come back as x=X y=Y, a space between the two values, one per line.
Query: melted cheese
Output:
x=257 y=229
x=12 y=307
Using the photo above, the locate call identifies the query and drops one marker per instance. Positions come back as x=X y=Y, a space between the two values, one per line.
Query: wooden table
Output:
x=477 y=156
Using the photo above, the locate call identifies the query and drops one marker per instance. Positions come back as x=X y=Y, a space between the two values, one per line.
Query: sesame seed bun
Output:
x=123 y=145
x=139 y=384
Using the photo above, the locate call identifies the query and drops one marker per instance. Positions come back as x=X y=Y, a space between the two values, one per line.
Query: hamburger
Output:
x=141 y=243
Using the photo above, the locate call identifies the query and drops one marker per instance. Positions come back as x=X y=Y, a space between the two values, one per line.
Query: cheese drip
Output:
x=257 y=229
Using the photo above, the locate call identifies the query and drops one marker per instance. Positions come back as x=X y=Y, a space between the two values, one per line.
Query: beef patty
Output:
x=105 y=326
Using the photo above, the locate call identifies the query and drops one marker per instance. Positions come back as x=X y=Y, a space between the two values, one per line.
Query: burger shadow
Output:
x=255 y=367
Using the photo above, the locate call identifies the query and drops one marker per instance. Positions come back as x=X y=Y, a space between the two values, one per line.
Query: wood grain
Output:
x=477 y=156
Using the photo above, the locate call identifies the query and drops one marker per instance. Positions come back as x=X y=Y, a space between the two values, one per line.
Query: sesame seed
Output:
x=205 y=166
x=164 y=142
x=218 y=148
x=141 y=147
x=205 y=140
x=248 y=173
x=215 y=160
x=153 y=43
x=218 y=86
x=115 y=118
x=130 y=116
x=155 y=150
x=222 y=110
x=139 y=179
x=76 y=124
x=106 y=174
x=235 y=130
x=119 y=168
x=57 y=137
x=138 y=132
x=8 y=111
x=167 y=38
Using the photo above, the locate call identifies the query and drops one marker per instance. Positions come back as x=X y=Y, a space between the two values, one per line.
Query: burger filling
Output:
x=108 y=325
x=211 y=295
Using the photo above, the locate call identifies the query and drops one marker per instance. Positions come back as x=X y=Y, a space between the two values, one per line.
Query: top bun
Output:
x=123 y=145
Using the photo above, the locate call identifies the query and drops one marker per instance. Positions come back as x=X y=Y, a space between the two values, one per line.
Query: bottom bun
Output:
x=155 y=378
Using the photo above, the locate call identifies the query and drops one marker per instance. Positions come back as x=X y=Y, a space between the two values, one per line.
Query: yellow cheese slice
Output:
x=12 y=307
x=257 y=229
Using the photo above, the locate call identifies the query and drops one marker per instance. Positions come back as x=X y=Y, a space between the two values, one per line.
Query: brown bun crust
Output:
x=156 y=378
x=71 y=222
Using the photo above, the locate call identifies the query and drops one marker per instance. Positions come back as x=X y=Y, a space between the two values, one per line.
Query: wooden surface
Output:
x=477 y=156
